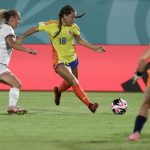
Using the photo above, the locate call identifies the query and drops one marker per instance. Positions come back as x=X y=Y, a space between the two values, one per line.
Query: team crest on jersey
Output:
x=70 y=32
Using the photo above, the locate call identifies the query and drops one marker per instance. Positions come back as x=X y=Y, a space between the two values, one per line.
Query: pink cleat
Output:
x=135 y=136
x=16 y=110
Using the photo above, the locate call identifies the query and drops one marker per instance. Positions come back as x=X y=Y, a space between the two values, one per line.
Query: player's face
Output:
x=16 y=20
x=70 y=19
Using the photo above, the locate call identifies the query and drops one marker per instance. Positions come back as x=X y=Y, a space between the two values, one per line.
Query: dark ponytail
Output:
x=59 y=26
x=66 y=10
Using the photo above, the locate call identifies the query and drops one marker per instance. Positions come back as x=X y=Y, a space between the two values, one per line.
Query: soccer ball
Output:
x=119 y=106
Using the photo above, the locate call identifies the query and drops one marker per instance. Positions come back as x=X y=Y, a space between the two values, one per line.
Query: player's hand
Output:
x=99 y=49
x=33 y=52
x=19 y=40
x=136 y=76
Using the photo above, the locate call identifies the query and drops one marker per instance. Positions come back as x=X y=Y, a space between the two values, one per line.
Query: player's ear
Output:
x=64 y=16
x=11 y=18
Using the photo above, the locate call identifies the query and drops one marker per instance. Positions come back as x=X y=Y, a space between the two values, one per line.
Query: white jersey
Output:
x=5 y=49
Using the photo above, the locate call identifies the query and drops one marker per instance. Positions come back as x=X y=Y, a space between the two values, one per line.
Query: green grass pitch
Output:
x=70 y=126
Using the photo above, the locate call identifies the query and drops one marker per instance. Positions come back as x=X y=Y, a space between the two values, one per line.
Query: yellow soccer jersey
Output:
x=63 y=44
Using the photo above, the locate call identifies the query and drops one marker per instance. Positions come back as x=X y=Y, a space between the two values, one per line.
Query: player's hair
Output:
x=6 y=14
x=66 y=10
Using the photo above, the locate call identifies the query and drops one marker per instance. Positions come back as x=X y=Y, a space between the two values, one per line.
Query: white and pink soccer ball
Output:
x=119 y=106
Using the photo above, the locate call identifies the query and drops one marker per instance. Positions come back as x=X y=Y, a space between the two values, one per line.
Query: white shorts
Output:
x=3 y=69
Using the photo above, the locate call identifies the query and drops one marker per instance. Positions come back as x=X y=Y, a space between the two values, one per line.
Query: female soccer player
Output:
x=9 y=19
x=62 y=33
x=142 y=116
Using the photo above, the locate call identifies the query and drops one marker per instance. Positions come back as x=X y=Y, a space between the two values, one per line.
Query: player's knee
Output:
x=18 y=85
x=75 y=81
x=72 y=81
x=146 y=105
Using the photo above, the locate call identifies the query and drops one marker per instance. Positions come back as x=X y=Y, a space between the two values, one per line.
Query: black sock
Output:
x=139 y=123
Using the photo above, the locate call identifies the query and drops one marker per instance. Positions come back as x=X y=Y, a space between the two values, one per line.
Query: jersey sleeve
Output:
x=45 y=26
x=76 y=29
x=8 y=31
x=42 y=26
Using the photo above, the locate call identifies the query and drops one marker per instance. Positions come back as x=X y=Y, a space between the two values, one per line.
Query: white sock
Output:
x=13 y=96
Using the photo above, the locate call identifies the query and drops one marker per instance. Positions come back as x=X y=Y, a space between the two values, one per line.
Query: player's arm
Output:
x=88 y=45
x=141 y=65
x=11 y=42
x=27 y=33
x=30 y=31
x=143 y=60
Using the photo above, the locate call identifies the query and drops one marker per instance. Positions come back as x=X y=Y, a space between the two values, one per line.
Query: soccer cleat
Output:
x=15 y=110
x=57 y=96
x=135 y=136
x=93 y=107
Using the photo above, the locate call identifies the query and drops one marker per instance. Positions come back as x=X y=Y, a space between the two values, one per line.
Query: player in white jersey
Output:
x=9 y=19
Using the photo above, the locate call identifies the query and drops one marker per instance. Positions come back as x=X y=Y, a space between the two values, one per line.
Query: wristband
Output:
x=138 y=73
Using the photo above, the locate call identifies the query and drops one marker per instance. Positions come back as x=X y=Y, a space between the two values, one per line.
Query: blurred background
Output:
x=121 y=26
x=106 y=21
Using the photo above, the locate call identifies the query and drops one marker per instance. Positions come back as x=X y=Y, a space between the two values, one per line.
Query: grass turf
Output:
x=70 y=126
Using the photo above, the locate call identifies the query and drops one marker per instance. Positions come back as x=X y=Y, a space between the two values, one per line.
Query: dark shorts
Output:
x=73 y=64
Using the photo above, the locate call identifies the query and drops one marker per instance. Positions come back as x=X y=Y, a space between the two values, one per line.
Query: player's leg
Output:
x=91 y=106
x=66 y=73
x=141 y=118
x=11 y=80
x=64 y=85
x=58 y=91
